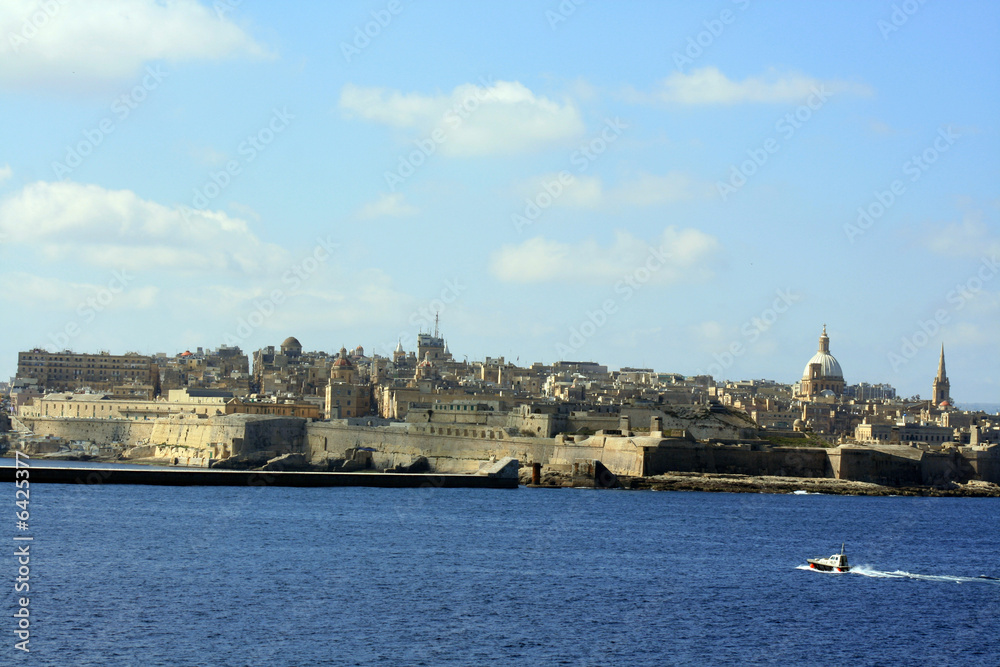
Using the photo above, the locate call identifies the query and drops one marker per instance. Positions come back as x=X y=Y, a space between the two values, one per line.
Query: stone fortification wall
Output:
x=447 y=449
x=99 y=431
x=182 y=436
x=678 y=455
x=231 y=435
x=902 y=465
x=620 y=455
x=985 y=461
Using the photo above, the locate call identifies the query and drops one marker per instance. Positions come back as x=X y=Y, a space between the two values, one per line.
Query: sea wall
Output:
x=183 y=439
x=99 y=431
x=447 y=449
x=985 y=461
x=903 y=465
x=231 y=435
x=685 y=456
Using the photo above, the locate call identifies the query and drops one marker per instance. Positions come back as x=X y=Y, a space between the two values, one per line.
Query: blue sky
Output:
x=690 y=187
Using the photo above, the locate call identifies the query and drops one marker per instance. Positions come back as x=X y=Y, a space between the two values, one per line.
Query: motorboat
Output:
x=835 y=563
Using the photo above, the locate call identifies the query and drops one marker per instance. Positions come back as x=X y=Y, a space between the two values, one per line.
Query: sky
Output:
x=692 y=187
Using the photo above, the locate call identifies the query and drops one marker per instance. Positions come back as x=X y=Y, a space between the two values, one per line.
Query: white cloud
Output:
x=79 y=45
x=392 y=206
x=5 y=172
x=708 y=85
x=652 y=189
x=969 y=238
x=504 y=117
x=570 y=190
x=643 y=189
x=118 y=229
x=35 y=290
x=677 y=255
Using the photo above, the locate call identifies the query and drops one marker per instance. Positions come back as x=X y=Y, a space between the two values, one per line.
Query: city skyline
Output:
x=654 y=185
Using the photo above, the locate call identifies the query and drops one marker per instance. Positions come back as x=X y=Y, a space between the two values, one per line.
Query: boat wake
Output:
x=867 y=571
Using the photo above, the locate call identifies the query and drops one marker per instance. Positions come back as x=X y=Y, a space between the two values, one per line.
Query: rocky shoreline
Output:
x=723 y=483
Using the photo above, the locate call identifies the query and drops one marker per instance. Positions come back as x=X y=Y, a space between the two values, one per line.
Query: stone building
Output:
x=346 y=395
x=67 y=371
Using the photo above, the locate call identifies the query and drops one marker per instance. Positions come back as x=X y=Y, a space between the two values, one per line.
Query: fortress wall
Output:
x=879 y=467
x=685 y=456
x=99 y=431
x=985 y=463
x=619 y=455
x=395 y=445
x=285 y=435
x=182 y=436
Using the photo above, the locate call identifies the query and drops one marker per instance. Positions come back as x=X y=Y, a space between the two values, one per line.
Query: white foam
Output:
x=868 y=571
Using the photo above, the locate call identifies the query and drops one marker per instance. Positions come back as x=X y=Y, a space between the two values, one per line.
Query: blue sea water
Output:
x=146 y=575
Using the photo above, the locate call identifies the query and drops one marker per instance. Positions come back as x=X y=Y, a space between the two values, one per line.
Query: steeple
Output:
x=941 y=390
x=941 y=375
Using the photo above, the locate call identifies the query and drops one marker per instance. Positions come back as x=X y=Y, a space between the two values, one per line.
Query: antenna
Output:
x=436 y=324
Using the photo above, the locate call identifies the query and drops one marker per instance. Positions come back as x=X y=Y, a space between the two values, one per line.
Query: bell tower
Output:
x=941 y=390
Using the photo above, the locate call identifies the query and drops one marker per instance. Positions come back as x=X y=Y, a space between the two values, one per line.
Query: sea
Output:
x=150 y=575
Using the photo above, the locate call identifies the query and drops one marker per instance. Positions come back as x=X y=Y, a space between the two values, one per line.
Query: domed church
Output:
x=822 y=373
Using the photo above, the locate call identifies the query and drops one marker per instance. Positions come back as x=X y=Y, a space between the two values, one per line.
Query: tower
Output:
x=941 y=391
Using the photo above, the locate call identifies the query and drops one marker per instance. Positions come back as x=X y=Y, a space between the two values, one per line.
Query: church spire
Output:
x=824 y=342
x=941 y=375
x=941 y=389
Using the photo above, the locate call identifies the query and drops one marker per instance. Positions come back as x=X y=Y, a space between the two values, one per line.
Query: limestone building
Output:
x=346 y=396
x=66 y=371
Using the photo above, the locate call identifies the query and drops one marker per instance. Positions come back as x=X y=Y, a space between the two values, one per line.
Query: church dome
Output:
x=829 y=367
x=291 y=343
x=342 y=361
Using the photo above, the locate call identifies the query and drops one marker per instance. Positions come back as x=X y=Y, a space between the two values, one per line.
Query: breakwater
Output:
x=187 y=477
